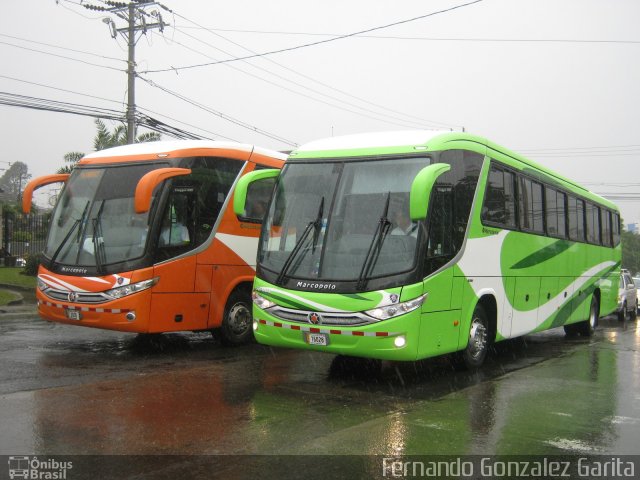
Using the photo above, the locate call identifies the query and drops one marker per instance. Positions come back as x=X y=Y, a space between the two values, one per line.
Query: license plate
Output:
x=321 y=339
x=74 y=314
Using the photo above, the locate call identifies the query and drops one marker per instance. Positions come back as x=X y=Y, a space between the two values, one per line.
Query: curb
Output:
x=7 y=286
x=18 y=301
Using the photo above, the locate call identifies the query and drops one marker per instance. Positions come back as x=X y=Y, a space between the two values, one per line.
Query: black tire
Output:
x=588 y=326
x=237 y=323
x=622 y=314
x=475 y=352
x=634 y=312
x=571 y=330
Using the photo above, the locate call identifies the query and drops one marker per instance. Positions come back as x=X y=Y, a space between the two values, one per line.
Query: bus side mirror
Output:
x=27 y=195
x=149 y=181
x=421 y=189
x=240 y=195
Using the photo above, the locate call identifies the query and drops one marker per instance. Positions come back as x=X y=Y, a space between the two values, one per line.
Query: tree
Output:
x=13 y=180
x=71 y=158
x=106 y=139
x=631 y=252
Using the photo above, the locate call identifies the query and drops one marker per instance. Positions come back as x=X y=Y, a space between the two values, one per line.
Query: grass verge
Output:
x=14 y=276
x=6 y=297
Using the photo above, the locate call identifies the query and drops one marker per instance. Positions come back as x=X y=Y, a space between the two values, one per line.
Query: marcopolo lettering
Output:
x=317 y=286
x=73 y=270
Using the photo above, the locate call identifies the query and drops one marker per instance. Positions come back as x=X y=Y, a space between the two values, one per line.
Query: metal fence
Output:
x=22 y=235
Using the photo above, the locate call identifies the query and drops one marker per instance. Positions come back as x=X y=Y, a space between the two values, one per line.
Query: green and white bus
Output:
x=407 y=245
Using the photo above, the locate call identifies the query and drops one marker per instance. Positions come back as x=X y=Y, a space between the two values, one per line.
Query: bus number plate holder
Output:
x=320 y=339
x=73 y=314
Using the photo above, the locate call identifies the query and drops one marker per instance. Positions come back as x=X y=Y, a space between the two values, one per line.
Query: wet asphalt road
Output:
x=69 y=390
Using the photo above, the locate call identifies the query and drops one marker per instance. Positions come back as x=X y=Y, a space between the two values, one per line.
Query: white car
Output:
x=636 y=281
x=627 y=297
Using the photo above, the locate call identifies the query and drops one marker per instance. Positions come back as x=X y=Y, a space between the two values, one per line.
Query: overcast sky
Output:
x=557 y=80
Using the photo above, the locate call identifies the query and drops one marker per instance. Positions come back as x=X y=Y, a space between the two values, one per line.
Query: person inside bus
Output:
x=404 y=225
x=174 y=235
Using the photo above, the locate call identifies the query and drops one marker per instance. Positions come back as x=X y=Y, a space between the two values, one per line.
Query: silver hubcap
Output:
x=477 y=338
x=239 y=318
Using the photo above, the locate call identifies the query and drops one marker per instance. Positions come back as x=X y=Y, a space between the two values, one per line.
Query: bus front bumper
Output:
x=393 y=339
x=129 y=314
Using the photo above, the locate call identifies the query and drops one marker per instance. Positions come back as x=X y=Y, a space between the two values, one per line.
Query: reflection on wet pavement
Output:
x=80 y=391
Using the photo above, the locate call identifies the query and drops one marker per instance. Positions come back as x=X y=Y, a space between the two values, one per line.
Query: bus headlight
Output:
x=260 y=301
x=397 y=309
x=43 y=287
x=126 y=290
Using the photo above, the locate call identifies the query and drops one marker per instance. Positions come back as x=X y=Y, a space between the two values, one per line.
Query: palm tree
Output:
x=106 y=139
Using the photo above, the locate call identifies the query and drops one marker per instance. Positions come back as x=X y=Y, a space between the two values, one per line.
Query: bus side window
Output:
x=499 y=203
x=258 y=196
x=615 y=229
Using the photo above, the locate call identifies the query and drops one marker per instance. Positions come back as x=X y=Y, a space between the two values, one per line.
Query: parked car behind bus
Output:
x=627 y=297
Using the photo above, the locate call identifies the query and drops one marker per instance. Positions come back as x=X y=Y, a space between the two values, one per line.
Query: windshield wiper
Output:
x=375 y=246
x=69 y=233
x=316 y=225
x=98 y=241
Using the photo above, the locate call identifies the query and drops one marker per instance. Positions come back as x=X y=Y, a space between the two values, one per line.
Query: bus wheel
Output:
x=478 y=345
x=237 y=324
x=570 y=330
x=587 y=327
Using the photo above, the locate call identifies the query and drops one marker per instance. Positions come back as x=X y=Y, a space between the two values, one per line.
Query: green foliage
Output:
x=6 y=297
x=106 y=139
x=13 y=181
x=71 y=159
x=9 y=211
x=33 y=262
x=631 y=252
x=14 y=276
x=21 y=236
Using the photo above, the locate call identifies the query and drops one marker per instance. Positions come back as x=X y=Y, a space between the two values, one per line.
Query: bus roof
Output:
x=138 y=150
x=416 y=141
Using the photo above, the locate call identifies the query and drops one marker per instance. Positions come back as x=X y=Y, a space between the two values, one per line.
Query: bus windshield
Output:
x=328 y=219
x=95 y=223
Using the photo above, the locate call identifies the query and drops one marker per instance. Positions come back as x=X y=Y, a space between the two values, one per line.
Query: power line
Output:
x=430 y=39
x=385 y=118
x=43 y=104
x=319 y=42
x=119 y=102
x=334 y=105
x=62 y=48
x=15 y=100
x=60 y=56
x=219 y=114
x=59 y=89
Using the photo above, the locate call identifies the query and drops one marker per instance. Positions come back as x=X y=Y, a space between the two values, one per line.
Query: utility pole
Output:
x=136 y=17
x=131 y=76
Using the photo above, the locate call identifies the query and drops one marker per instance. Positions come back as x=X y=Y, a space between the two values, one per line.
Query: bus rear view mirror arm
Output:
x=421 y=189
x=36 y=183
x=144 y=189
x=240 y=195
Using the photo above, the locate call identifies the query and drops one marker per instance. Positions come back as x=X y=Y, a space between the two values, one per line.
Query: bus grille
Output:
x=342 y=318
x=82 y=297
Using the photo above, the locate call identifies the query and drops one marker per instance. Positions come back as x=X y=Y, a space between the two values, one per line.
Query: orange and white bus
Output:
x=143 y=238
